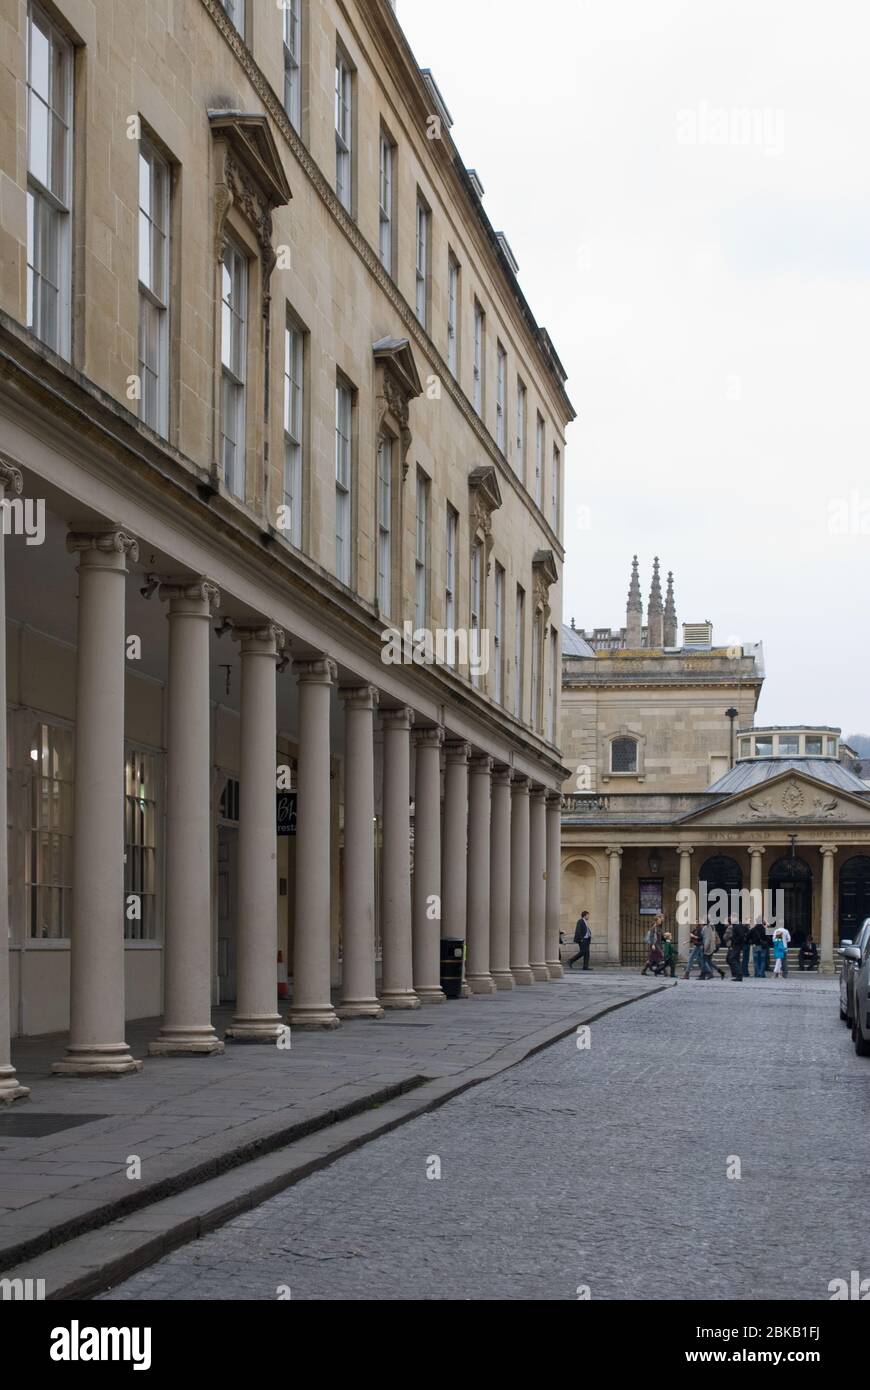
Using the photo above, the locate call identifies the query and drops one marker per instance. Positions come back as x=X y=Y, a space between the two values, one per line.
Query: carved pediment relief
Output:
x=397 y=383
x=788 y=800
x=248 y=175
x=544 y=575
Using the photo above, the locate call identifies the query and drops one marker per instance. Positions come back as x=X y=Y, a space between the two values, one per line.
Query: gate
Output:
x=632 y=932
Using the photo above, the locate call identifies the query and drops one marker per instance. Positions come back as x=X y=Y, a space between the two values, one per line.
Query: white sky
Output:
x=710 y=300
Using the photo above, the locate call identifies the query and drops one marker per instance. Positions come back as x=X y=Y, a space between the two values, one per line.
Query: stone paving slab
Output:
x=223 y=1124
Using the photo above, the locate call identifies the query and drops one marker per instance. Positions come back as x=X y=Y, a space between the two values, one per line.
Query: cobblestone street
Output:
x=604 y=1167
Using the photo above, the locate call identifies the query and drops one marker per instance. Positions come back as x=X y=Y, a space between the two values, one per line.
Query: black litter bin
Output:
x=452 y=960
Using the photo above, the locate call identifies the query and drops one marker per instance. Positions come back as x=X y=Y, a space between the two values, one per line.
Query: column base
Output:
x=400 y=999
x=186 y=1042
x=431 y=994
x=540 y=973
x=10 y=1087
x=314 y=1018
x=262 y=1028
x=503 y=979
x=360 y=1008
x=555 y=970
x=111 y=1059
x=522 y=975
x=481 y=984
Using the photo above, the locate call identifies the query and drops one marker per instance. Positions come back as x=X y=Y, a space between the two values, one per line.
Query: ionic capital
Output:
x=103 y=549
x=264 y=639
x=686 y=849
x=614 y=851
x=458 y=753
x=756 y=849
x=520 y=785
x=319 y=670
x=481 y=765
x=554 y=801
x=359 y=696
x=828 y=849
x=401 y=719
x=11 y=479
x=202 y=591
x=429 y=738
x=501 y=776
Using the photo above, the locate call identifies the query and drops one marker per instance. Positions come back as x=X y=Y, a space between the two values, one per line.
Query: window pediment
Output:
x=249 y=176
x=397 y=383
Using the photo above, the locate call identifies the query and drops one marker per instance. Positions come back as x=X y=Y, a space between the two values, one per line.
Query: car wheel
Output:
x=862 y=1046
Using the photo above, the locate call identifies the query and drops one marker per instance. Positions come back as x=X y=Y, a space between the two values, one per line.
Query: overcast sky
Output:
x=685 y=186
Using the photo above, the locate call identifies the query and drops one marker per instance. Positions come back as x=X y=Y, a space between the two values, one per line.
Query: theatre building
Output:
x=269 y=389
x=674 y=786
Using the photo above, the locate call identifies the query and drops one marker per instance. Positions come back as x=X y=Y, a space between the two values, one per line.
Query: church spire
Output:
x=634 y=612
x=654 y=609
x=670 y=623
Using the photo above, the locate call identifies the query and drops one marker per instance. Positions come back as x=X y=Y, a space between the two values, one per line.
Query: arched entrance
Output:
x=854 y=895
x=793 y=878
x=579 y=894
x=721 y=874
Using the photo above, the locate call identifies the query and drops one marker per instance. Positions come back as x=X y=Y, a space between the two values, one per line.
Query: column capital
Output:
x=263 y=639
x=402 y=718
x=519 y=783
x=481 y=764
x=756 y=849
x=457 y=752
x=318 y=670
x=828 y=849
x=686 y=849
x=538 y=793
x=429 y=738
x=502 y=775
x=554 y=801
x=614 y=851
x=198 y=590
x=95 y=546
x=359 y=696
x=11 y=479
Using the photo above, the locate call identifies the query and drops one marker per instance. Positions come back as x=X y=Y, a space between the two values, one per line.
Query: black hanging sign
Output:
x=286 y=813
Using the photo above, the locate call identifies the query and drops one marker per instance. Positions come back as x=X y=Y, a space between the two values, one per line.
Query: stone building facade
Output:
x=269 y=391
x=674 y=787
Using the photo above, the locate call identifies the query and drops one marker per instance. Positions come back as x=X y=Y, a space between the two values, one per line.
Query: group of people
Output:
x=763 y=941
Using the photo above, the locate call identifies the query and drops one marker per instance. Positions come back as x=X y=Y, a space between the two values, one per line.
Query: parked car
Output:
x=860 y=997
x=850 y=964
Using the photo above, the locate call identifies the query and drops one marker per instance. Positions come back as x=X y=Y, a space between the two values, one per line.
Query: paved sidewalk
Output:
x=64 y=1154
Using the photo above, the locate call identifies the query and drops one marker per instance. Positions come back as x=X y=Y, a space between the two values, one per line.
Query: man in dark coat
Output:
x=735 y=939
x=582 y=940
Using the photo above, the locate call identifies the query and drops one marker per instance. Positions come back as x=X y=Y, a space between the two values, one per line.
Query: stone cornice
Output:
x=368 y=255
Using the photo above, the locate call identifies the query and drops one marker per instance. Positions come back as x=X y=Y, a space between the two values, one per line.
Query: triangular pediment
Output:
x=793 y=798
x=250 y=137
x=484 y=482
x=396 y=356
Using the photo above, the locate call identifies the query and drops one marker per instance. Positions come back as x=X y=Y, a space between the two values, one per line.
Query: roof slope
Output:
x=752 y=774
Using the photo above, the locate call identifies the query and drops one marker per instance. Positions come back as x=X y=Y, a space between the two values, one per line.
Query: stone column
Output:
x=97 y=1018
x=187 y=1024
x=520 y=968
x=397 y=979
x=614 y=941
x=755 y=884
x=454 y=867
x=827 y=949
x=538 y=884
x=480 y=980
x=554 y=885
x=256 y=1018
x=10 y=1087
x=359 y=994
x=687 y=913
x=426 y=929
x=500 y=880
x=312 y=971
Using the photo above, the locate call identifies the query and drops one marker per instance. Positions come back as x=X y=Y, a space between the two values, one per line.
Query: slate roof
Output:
x=752 y=773
x=573 y=644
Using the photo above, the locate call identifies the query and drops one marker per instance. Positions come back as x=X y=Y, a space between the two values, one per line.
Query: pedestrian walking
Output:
x=653 y=943
x=669 y=949
x=736 y=937
x=710 y=945
x=786 y=935
x=583 y=940
x=759 y=944
x=779 y=952
x=696 y=953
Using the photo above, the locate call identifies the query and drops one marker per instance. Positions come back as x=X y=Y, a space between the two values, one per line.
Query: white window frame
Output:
x=343 y=480
x=344 y=131
x=537 y=653
x=235 y=10
x=453 y=314
x=552 y=704
x=501 y=401
x=385 y=203
x=556 y=488
x=421 y=557
x=154 y=287
x=294 y=426
x=479 y=341
x=234 y=353
x=522 y=426
x=498 y=636
x=452 y=541
x=48 y=822
x=475 y=608
x=540 y=446
x=384 y=485
x=50 y=191
x=293 y=62
x=137 y=848
x=519 y=650
x=424 y=224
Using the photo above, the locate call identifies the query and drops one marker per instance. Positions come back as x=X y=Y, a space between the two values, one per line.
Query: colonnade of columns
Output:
x=486 y=862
